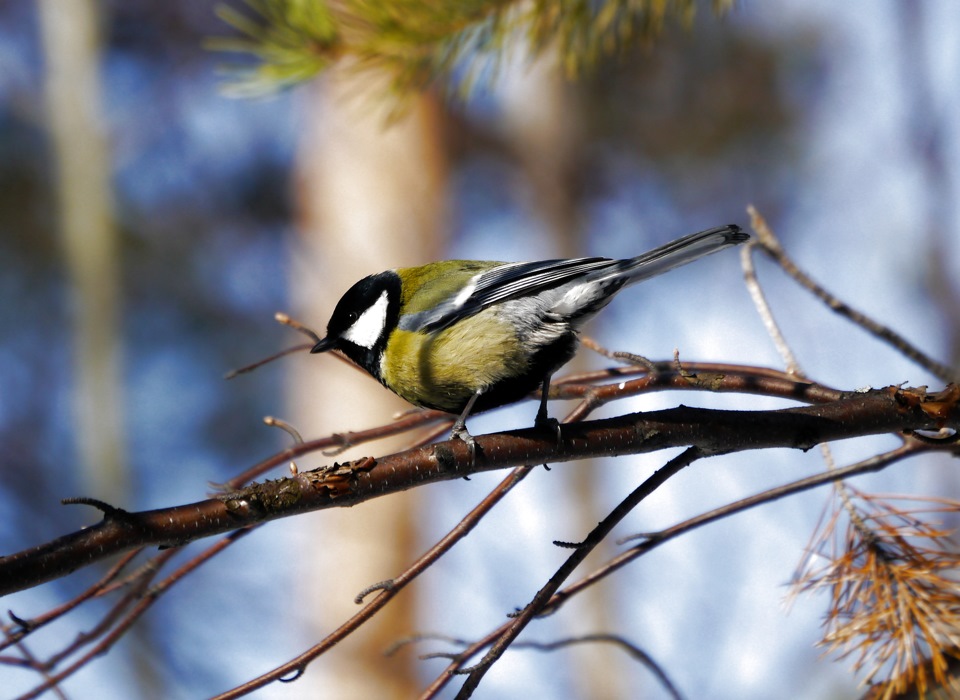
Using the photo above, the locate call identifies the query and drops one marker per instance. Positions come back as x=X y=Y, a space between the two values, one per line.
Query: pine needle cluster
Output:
x=892 y=577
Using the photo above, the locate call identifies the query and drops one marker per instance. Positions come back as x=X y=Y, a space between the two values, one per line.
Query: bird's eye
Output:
x=352 y=316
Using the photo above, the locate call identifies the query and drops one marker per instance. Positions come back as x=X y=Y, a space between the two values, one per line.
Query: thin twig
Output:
x=543 y=596
x=408 y=422
x=654 y=540
x=100 y=631
x=287 y=320
x=266 y=360
x=632 y=649
x=146 y=597
x=626 y=358
x=767 y=241
x=387 y=593
x=771 y=246
x=32 y=662
x=765 y=312
x=25 y=627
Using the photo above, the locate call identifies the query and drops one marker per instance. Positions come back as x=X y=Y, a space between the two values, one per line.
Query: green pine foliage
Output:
x=453 y=43
x=288 y=41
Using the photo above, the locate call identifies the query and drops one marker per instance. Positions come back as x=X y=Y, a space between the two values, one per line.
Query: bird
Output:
x=465 y=336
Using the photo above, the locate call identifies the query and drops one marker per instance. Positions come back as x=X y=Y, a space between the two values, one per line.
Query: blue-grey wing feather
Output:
x=603 y=275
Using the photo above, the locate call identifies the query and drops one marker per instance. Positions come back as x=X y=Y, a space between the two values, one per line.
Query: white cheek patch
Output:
x=367 y=329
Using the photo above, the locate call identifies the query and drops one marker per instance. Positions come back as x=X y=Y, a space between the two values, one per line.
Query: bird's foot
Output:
x=545 y=422
x=459 y=432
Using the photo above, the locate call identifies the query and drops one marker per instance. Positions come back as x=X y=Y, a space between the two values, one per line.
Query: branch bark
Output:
x=854 y=414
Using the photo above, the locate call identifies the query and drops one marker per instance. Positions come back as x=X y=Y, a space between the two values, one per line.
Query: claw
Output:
x=551 y=424
x=460 y=429
x=459 y=432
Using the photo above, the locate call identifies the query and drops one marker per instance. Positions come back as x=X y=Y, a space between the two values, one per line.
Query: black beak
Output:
x=327 y=343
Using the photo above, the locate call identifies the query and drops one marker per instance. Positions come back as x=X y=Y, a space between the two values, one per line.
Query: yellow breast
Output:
x=445 y=369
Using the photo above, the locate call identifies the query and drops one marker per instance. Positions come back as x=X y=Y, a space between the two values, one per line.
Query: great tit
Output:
x=464 y=336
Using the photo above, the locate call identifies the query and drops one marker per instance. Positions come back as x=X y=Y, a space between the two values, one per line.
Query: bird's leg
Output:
x=459 y=429
x=543 y=420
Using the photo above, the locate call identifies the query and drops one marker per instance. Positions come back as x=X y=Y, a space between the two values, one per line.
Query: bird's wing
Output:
x=513 y=280
x=498 y=284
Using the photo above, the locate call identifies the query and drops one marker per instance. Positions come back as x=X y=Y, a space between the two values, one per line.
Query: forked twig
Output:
x=537 y=605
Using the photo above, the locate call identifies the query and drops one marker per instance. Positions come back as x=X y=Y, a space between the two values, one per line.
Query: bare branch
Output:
x=23 y=627
x=545 y=594
x=713 y=432
x=654 y=540
x=763 y=307
x=387 y=591
x=632 y=649
x=771 y=246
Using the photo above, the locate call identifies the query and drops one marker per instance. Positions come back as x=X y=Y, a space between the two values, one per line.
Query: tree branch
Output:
x=855 y=414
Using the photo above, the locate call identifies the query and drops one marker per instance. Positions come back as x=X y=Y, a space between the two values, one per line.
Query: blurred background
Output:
x=150 y=227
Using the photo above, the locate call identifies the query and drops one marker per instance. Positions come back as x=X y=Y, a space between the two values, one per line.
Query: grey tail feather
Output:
x=676 y=253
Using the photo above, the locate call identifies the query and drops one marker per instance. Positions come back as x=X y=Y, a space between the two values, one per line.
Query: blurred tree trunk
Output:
x=370 y=196
x=91 y=251
x=90 y=243
x=542 y=119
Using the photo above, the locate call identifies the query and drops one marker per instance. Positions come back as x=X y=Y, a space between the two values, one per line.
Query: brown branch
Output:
x=696 y=376
x=108 y=630
x=651 y=541
x=856 y=414
x=545 y=594
x=22 y=628
x=692 y=376
x=337 y=443
x=654 y=540
x=388 y=591
x=144 y=597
